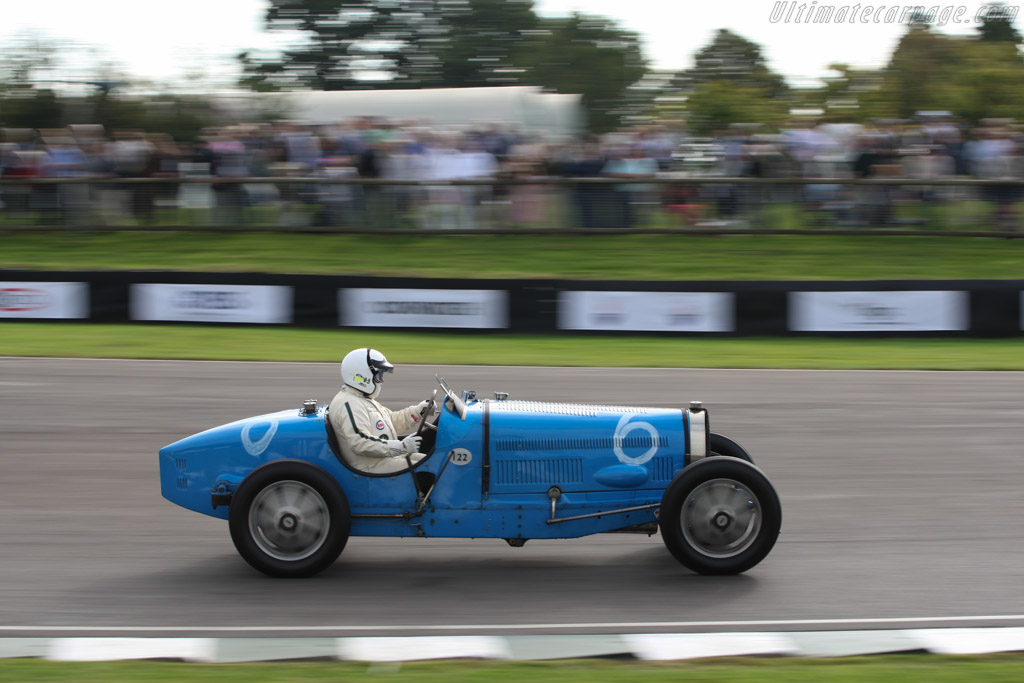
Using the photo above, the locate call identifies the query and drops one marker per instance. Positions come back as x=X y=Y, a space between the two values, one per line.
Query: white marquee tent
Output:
x=524 y=107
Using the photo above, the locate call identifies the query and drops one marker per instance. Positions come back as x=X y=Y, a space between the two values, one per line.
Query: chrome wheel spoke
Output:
x=309 y=507
x=718 y=494
x=699 y=508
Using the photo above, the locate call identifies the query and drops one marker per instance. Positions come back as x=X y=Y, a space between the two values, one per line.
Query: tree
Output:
x=974 y=79
x=26 y=102
x=590 y=56
x=351 y=44
x=997 y=25
x=394 y=43
x=851 y=95
x=451 y=43
x=920 y=18
x=24 y=62
x=715 y=104
x=43 y=85
x=31 y=109
x=731 y=83
x=985 y=82
x=486 y=42
x=734 y=59
x=918 y=76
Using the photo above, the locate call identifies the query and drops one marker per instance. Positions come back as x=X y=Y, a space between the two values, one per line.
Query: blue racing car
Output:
x=495 y=468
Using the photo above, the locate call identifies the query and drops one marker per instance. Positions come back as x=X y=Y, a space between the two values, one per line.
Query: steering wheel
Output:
x=427 y=412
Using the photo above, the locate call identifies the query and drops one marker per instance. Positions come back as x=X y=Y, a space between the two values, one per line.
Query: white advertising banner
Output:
x=901 y=311
x=465 y=308
x=212 y=303
x=44 y=300
x=647 y=311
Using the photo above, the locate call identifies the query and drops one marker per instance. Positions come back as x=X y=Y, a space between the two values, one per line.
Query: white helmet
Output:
x=364 y=369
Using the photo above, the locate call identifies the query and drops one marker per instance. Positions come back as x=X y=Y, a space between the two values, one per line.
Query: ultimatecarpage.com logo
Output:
x=797 y=12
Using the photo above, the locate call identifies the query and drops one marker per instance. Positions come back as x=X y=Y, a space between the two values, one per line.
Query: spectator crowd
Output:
x=415 y=166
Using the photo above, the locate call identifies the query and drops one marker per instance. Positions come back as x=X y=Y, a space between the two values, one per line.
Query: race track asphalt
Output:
x=901 y=491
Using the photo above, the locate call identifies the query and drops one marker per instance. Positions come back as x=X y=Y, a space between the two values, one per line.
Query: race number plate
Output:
x=460 y=456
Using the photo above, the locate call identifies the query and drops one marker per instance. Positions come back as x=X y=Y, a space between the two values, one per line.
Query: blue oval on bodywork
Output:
x=621 y=476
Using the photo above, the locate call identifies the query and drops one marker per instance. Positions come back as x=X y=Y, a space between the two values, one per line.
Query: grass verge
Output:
x=292 y=344
x=882 y=669
x=622 y=257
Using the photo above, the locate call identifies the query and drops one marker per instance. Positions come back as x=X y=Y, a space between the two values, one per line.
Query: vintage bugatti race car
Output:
x=495 y=468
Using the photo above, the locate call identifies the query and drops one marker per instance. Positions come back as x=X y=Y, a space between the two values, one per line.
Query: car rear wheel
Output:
x=289 y=519
x=720 y=515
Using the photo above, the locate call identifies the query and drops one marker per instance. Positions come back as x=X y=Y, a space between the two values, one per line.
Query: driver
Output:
x=367 y=431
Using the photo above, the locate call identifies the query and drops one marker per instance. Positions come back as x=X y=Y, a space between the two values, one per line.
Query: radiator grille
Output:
x=565 y=471
x=661 y=469
x=182 y=482
x=181 y=464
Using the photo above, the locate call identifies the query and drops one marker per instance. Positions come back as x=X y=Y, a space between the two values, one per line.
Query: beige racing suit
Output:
x=368 y=432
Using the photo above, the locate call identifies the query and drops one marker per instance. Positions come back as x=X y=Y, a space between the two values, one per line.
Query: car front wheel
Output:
x=720 y=515
x=289 y=519
x=723 y=445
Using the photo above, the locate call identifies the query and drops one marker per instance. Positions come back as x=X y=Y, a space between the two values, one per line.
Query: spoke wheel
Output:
x=721 y=518
x=720 y=515
x=289 y=519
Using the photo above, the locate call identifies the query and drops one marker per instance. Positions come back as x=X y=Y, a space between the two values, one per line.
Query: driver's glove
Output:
x=410 y=444
x=422 y=408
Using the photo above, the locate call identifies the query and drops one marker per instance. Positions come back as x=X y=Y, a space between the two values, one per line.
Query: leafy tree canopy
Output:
x=973 y=78
x=734 y=59
x=730 y=82
x=997 y=25
x=393 y=44
x=590 y=56
x=714 y=105
x=450 y=43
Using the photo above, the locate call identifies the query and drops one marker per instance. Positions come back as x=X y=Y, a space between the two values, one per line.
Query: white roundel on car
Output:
x=460 y=457
x=622 y=430
x=256 y=448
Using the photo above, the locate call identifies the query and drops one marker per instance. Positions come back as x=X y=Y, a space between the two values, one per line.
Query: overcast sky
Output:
x=167 y=41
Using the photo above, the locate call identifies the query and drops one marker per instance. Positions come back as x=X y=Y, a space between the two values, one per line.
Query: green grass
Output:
x=293 y=344
x=632 y=257
x=893 y=668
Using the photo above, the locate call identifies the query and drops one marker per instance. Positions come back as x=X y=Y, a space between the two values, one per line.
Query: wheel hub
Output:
x=721 y=520
x=288 y=522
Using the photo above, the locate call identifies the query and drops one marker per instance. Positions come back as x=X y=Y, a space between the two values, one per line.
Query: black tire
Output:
x=732 y=516
x=723 y=445
x=289 y=519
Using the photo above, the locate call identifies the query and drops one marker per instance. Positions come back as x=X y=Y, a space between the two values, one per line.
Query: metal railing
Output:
x=664 y=204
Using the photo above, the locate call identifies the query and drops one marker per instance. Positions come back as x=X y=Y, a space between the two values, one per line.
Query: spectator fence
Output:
x=668 y=203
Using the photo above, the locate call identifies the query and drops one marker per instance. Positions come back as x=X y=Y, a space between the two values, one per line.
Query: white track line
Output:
x=630 y=625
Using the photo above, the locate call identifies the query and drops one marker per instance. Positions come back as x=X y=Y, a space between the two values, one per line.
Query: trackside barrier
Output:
x=981 y=308
x=650 y=647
